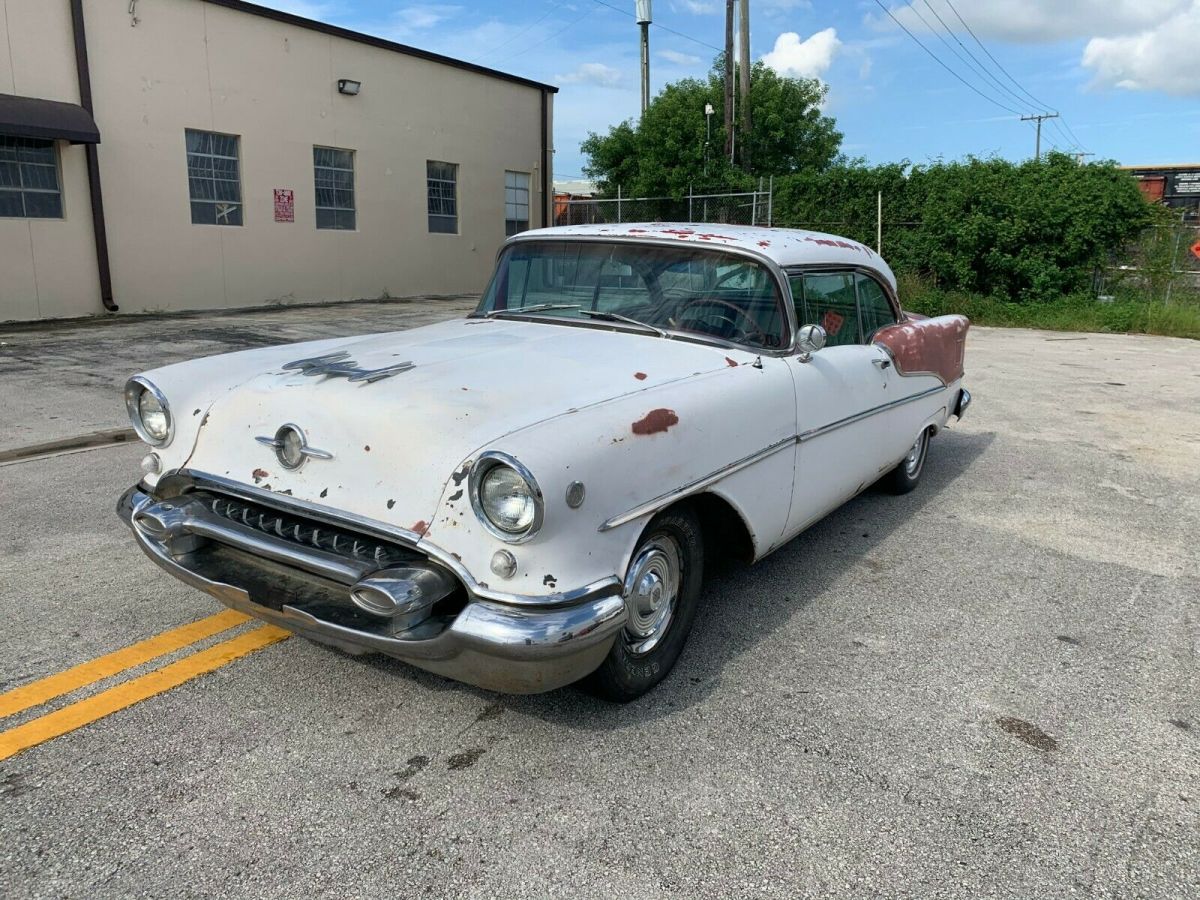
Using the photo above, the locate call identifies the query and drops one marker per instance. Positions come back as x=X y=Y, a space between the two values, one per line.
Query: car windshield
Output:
x=707 y=293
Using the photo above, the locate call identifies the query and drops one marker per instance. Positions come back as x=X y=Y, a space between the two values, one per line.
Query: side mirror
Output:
x=809 y=339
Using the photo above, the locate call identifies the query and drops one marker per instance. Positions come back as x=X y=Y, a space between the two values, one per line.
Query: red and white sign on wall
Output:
x=285 y=205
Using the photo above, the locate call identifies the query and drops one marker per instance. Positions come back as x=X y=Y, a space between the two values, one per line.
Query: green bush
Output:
x=1024 y=232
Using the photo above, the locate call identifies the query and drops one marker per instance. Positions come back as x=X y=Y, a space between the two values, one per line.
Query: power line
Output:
x=548 y=37
x=938 y=60
x=523 y=31
x=972 y=61
x=1073 y=137
x=686 y=37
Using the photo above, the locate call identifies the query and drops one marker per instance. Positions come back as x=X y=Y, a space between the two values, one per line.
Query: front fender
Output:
x=636 y=448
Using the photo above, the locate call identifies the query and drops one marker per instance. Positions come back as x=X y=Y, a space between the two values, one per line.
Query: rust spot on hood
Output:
x=731 y=362
x=640 y=376
x=259 y=474
x=420 y=527
x=655 y=422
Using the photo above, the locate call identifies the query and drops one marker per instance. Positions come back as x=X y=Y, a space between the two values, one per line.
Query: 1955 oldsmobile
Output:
x=523 y=498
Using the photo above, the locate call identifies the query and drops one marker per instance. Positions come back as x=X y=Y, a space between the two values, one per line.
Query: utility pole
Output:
x=1039 y=119
x=644 y=18
x=1080 y=155
x=729 y=78
x=744 y=53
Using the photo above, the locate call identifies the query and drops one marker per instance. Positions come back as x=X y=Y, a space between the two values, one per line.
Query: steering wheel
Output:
x=753 y=334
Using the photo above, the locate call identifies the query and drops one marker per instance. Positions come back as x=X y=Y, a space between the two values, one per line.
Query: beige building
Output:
x=194 y=154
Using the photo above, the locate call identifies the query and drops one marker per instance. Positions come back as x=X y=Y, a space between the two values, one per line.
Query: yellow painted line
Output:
x=84 y=712
x=102 y=667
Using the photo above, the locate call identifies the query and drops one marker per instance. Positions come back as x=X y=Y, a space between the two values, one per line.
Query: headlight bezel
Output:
x=485 y=463
x=134 y=388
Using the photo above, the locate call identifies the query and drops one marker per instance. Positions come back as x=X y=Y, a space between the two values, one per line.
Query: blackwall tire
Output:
x=907 y=475
x=671 y=549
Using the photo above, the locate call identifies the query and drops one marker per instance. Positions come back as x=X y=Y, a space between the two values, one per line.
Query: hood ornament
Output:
x=340 y=365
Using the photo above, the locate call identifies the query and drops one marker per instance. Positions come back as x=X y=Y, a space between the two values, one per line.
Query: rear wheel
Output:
x=662 y=591
x=905 y=476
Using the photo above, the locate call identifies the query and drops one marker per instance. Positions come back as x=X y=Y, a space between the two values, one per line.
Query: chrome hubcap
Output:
x=912 y=462
x=651 y=591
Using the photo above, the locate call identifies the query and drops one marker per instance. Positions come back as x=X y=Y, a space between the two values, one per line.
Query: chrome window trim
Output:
x=781 y=282
x=135 y=416
x=693 y=487
x=484 y=463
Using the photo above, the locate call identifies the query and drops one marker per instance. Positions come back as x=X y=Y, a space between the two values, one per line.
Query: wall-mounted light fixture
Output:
x=349 y=86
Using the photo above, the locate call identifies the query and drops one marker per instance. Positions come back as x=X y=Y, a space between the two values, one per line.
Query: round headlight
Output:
x=148 y=411
x=505 y=496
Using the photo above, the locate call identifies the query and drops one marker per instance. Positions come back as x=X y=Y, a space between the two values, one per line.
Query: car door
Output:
x=842 y=441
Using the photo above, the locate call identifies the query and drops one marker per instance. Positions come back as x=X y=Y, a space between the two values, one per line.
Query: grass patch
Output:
x=1123 y=315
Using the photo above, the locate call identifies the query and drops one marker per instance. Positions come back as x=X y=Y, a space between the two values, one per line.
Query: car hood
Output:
x=396 y=443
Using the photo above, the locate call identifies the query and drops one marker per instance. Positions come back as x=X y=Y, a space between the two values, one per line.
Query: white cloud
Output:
x=1163 y=58
x=697 y=7
x=809 y=58
x=308 y=10
x=1037 y=21
x=593 y=73
x=419 y=18
x=680 y=59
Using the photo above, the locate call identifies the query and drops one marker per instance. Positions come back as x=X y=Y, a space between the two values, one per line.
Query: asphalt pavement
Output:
x=988 y=687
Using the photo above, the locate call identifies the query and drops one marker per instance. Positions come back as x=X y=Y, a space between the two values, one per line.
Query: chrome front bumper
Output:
x=502 y=647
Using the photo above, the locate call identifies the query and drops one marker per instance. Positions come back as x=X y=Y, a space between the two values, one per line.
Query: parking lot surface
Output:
x=986 y=687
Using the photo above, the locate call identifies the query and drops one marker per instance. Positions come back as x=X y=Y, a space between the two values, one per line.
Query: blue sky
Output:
x=1124 y=74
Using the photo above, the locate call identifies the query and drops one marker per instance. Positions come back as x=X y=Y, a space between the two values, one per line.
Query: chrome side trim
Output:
x=692 y=487
x=858 y=417
x=602 y=587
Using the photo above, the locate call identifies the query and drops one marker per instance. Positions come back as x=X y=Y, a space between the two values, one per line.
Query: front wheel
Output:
x=662 y=591
x=905 y=476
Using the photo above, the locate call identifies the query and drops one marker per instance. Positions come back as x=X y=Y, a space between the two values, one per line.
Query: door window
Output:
x=874 y=306
x=828 y=299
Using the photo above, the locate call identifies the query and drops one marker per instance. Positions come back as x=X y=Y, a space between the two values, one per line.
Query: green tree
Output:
x=668 y=150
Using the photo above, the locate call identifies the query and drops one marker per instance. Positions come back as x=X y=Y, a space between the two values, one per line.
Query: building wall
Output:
x=47 y=266
x=190 y=64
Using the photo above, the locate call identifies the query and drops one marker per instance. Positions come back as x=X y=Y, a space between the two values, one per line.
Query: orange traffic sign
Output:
x=1196 y=249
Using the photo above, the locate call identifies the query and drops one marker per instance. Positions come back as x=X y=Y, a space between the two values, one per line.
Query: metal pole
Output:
x=645 y=67
x=729 y=79
x=618 y=204
x=690 y=217
x=770 y=201
x=744 y=78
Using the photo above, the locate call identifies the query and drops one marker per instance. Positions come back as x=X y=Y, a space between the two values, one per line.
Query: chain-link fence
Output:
x=745 y=208
x=1163 y=263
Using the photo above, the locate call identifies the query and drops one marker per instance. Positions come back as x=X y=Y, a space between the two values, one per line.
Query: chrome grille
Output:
x=305 y=532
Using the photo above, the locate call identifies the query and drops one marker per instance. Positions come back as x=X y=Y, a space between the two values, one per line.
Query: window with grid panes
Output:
x=214 y=178
x=333 y=171
x=442 y=181
x=516 y=202
x=29 y=186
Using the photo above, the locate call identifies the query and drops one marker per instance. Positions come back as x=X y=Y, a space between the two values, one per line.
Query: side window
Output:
x=828 y=299
x=873 y=305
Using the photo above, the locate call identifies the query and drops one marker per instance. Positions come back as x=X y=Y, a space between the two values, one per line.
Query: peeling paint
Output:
x=420 y=527
x=367 y=448
x=457 y=495
x=549 y=581
x=655 y=422
x=196 y=412
x=259 y=474
x=391 y=504
x=324 y=493
x=640 y=376
x=732 y=363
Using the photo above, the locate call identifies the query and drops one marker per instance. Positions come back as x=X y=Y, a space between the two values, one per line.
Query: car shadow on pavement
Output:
x=742 y=605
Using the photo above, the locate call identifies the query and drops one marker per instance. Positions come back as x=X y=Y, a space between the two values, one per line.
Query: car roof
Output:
x=786 y=247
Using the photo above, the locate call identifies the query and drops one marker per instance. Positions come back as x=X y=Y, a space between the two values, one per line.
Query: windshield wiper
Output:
x=522 y=310
x=605 y=316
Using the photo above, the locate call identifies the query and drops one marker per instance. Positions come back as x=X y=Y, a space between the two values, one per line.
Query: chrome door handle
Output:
x=882 y=363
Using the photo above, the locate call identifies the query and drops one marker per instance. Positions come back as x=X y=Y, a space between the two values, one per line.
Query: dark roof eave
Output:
x=372 y=41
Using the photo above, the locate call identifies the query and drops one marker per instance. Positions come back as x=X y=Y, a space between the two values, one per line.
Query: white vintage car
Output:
x=525 y=498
